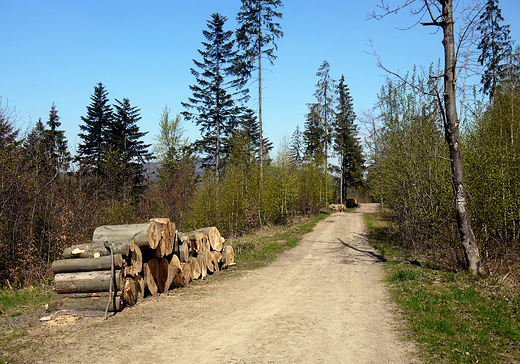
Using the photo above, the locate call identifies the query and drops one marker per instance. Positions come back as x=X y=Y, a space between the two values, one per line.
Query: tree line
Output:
x=229 y=177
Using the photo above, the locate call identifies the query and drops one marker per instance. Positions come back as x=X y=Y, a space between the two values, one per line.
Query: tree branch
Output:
x=404 y=80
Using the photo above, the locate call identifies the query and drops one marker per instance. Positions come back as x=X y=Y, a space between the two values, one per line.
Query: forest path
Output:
x=321 y=302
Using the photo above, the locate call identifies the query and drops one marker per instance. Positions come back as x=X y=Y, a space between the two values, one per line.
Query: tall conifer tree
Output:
x=213 y=105
x=296 y=148
x=256 y=35
x=56 y=143
x=325 y=89
x=495 y=46
x=92 y=145
x=314 y=135
x=346 y=142
x=124 y=142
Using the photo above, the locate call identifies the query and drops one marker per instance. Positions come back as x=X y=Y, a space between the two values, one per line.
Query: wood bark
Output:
x=136 y=232
x=87 y=264
x=146 y=235
x=96 y=249
x=81 y=282
x=93 y=301
x=452 y=135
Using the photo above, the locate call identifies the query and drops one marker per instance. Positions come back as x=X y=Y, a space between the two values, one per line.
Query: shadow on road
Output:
x=378 y=258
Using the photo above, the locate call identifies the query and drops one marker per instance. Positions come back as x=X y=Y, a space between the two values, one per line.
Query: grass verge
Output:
x=454 y=317
x=19 y=310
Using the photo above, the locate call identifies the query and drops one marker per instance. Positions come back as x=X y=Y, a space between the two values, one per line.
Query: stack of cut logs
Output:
x=123 y=263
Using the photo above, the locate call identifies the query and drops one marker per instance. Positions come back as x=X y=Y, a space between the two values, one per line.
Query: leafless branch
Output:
x=435 y=20
x=395 y=74
x=386 y=10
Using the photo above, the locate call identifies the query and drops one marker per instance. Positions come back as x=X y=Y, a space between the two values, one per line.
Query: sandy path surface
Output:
x=321 y=302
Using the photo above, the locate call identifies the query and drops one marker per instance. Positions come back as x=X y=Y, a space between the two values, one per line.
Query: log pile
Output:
x=349 y=203
x=337 y=207
x=124 y=263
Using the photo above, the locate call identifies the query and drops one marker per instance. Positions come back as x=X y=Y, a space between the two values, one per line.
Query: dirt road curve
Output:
x=321 y=302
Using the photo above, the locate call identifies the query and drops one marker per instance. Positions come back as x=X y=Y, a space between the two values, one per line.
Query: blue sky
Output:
x=57 y=51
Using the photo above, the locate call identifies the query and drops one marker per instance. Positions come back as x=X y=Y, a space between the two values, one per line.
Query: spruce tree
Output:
x=92 y=146
x=125 y=145
x=214 y=104
x=47 y=147
x=296 y=148
x=314 y=135
x=256 y=36
x=251 y=127
x=8 y=133
x=346 y=143
x=495 y=46
x=325 y=89
x=56 y=143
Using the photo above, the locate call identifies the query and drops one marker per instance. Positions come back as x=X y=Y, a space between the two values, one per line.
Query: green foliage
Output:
x=256 y=35
x=176 y=180
x=233 y=204
x=297 y=148
x=410 y=169
x=325 y=125
x=314 y=135
x=492 y=141
x=170 y=142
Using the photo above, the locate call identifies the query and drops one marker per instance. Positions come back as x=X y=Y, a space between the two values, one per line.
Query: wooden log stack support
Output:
x=124 y=263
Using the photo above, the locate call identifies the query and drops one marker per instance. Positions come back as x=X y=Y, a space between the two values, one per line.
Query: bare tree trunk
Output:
x=260 y=129
x=341 y=179
x=451 y=129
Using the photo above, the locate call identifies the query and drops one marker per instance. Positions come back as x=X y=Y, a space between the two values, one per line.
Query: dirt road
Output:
x=321 y=302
